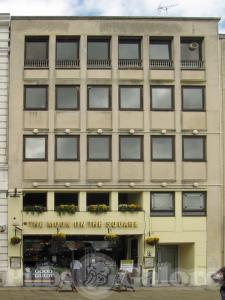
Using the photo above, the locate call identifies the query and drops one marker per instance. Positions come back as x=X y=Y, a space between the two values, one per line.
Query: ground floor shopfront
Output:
x=178 y=258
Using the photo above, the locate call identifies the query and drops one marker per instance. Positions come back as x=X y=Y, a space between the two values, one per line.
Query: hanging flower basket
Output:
x=15 y=240
x=98 y=208
x=152 y=240
x=69 y=209
x=59 y=237
x=111 y=237
x=38 y=209
x=130 y=207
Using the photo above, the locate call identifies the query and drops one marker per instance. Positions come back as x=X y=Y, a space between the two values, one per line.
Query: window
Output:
x=35 y=97
x=30 y=200
x=35 y=148
x=67 y=97
x=162 y=98
x=162 y=148
x=130 y=53
x=36 y=52
x=67 y=148
x=162 y=204
x=99 y=53
x=66 y=199
x=193 y=98
x=96 y=199
x=194 y=203
x=130 y=97
x=194 y=148
x=191 y=53
x=99 y=97
x=160 y=54
x=131 y=148
x=67 y=52
x=99 y=148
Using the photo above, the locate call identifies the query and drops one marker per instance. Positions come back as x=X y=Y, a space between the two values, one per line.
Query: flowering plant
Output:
x=130 y=207
x=59 y=236
x=152 y=240
x=111 y=237
x=98 y=208
x=39 y=209
x=66 y=209
x=15 y=240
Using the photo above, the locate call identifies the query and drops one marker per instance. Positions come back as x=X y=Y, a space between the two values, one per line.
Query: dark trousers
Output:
x=222 y=293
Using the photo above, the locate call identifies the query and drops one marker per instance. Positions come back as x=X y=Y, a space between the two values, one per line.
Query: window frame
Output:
x=171 y=87
x=109 y=108
x=194 y=213
x=162 y=213
x=203 y=98
x=109 y=150
x=35 y=86
x=68 y=38
x=78 y=147
x=161 y=40
x=77 y=87
x=141 y=97
x=172 y=137
x=203 y=137
x=100 y=39
x=36 y=39
x=141 y=138
x=36 y=137
x=130 y=39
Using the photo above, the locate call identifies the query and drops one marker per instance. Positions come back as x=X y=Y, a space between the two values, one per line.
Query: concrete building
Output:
x=4 y=68
x=109 y=115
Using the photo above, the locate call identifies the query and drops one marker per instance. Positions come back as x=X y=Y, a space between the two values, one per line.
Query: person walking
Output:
x=219 y=277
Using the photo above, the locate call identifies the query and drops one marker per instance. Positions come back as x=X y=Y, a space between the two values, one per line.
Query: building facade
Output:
x=4 y=68
x=115 y=129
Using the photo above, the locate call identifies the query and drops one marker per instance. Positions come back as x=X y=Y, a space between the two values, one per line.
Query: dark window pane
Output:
x=129 y=50
x=35 y=97
x=193 y=148
x=35 y=148
x=161 y=98
x=193 y=201
x=162 y=201
x=162 y=148
x=160 y=50
x=67 y=97
x=130 y=148
x=98 y=97
x=190 y=50
x=98 y=148
x=98 y=50
x=130 y=97
x=193 y=98
x=67 y=50
x=67 y=148
x=36 y=50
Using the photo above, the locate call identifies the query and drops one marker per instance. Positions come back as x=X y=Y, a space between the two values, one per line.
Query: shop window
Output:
x=97 y=202
x=160 y=53
x=98 y=53
x=194 y=148
x=99 y=97
x=162 y=148
x=162 y=204
x=130 y=98
x=35 y=97
x=36 y=52
x=162 y=98
x=67 y=147
x=67 y=52
x=67 y=97
x=130 y=53
x=194 y=203
x=193 y=98
x=32 y=200
x=99 y=148
x=130 y=201
x=191 y=53
x=35 y=148
x=131 y=148
x=66 y=199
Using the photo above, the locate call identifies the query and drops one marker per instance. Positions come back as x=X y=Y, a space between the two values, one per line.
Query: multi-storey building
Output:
x=116 y=114
x=4 y=49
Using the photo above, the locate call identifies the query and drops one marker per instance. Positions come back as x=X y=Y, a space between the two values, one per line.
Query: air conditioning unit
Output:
x=193 y=46
x=2 y=278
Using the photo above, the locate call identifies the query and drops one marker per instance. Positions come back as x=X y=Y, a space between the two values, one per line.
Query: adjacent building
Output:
x=115 y=127
x=4 y=68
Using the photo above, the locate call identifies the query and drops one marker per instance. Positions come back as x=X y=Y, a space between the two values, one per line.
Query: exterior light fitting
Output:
x=67 y=131
x=67 y=184
x=163 y=131
x=195 y=131
x=35 y=184
x=163 y=184
x=35 y=131
x=132 y=184
x=99 y=131
x=99 y=184
x=132 y=131
x=195 y=184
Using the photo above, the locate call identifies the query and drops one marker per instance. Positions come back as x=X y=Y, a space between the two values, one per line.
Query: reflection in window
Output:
x=162 y=148
x=193 y=98
x=67 y=52
x=130 y=53
x=162 y=204
x=67 y=97
x=194 y=203
x=131 y=148
x=99 y=97
x=162 y=98
x=35 y=148
x=36 y=52
x=99 y=148
x=35 y=97
x=67 y=148
x=98 y=53
x=194 y=148
x=191 y=53
x=130 y=97
x=160 y=49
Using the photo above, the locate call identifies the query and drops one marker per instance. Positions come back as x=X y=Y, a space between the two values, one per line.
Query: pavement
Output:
x=156 y=293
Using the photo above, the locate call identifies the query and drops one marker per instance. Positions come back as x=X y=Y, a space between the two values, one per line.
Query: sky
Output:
x=185 y=8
